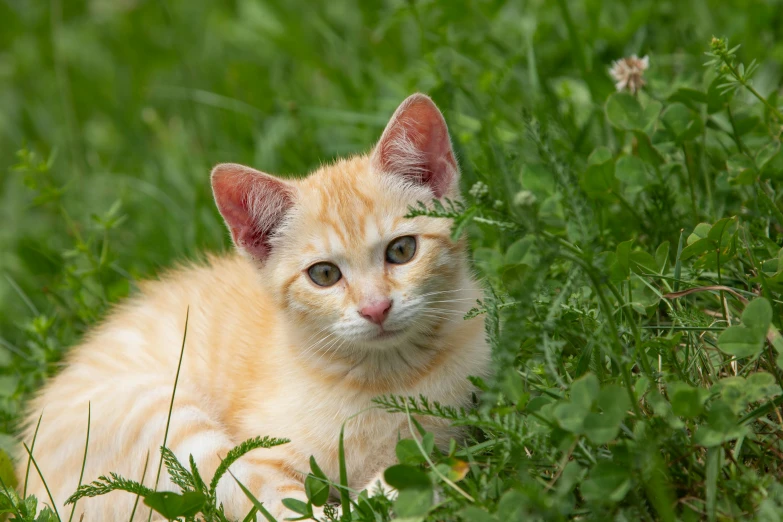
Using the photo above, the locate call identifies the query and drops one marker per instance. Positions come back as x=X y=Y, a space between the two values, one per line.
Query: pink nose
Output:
x=376 y=311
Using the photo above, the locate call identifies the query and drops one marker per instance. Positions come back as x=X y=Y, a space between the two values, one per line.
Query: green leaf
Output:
x=598 y=181
x=624 y=258
x=721 y=418
x=747 y=339
x=316 y=470
x=643 y=263
x=742 y=170
x=769 y=151
x=690 y=97
x=758 y=315
x=601 y=154
x=761 y=385
x=607 y=482
x=513 y=506
x=428 y=442
x=740 y=341
x=514 y=277
x=7 y=473
x=522 y=251
x=317 y=490
x=601 y=428
x=413 y=503
x=701 y=231
x=585 y=390
x=174 y=505
x=614 y=401
x=722 y=231
x=695 y=249
x=570 y=416
x=571 y=475
x=626 y=113
x=634 y=172
x=683 y=123
x=408 y=452
x=403 y=476
x=687 y=401
x=299 y=507
x=716 y=101
x=646 y=150
x=513 y=386
x=662 y=256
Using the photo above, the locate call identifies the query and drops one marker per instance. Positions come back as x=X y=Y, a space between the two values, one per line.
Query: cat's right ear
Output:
x=253 y=205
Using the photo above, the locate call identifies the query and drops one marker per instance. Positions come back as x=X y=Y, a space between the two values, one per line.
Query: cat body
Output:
x=333 y=298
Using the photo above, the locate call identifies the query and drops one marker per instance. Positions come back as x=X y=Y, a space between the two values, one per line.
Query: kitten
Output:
x=333 y=299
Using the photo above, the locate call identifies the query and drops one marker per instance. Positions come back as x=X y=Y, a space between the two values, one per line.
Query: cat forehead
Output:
x=347 y=187
x=348 y=202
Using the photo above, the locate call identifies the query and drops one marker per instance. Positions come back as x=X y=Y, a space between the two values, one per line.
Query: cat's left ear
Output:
x=416 y=146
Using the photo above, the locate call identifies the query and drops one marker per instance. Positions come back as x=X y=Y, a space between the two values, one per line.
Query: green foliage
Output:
x=196 y=498
x=632 y=245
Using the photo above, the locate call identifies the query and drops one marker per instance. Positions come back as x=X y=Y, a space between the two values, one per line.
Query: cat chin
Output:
x=388 y=334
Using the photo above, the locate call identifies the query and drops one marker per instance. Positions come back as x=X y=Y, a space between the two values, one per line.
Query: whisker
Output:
x=444 y=292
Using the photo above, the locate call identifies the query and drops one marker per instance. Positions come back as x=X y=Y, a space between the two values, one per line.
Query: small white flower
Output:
x=525 y=198
x=628 y=73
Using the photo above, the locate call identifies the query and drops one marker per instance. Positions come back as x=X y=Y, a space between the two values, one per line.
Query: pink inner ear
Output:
x=416 y=145
x=253 y=205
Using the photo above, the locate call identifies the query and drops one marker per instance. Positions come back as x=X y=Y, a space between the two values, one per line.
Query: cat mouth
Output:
x=387 y=334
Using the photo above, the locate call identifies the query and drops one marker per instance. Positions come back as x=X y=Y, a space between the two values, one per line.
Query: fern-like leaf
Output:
x=236 y=453
x=106 y=484
x=420 y=406
x=198 y=482
x=177 y=472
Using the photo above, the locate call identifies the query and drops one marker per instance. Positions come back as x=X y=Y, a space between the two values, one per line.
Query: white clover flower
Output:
x=525 y=198
x=628 y=73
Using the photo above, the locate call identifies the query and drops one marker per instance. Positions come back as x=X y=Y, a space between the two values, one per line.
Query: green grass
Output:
x=617 y=394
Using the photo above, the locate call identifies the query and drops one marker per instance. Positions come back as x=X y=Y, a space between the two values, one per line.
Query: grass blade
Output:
x=46 y=486
x=256 y=503
x=143 y=476
x=32 y=447
x=171 y=404
x=84 y=458
x=345 y=498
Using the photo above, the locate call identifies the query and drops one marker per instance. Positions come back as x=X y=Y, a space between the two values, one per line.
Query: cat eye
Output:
x=324 y=274
x=401 y=250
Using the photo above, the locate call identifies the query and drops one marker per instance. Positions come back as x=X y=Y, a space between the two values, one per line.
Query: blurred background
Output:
x=112 y=113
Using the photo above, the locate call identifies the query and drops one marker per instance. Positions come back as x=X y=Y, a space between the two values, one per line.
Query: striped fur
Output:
x=270 y=353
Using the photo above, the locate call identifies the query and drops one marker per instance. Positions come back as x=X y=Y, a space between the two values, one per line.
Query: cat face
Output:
x=335 y=248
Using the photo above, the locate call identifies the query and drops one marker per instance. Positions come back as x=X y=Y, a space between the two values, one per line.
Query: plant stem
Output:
x=691 y=181
x=753 y=91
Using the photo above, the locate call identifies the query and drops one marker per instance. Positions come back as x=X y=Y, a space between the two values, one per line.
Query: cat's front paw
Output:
x=379 y=486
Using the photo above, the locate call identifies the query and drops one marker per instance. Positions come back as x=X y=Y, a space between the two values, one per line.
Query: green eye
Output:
x=324 y=274
x=401 y=250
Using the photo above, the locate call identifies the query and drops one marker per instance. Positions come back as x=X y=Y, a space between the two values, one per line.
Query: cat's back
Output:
x=218 y=308
x=211 y=303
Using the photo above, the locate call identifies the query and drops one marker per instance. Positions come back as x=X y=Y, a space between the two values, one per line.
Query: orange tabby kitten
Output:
x=334 y=298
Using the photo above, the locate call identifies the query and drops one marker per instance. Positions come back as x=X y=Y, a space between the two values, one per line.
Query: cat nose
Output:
x=376 y=311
